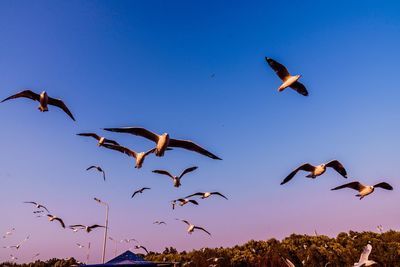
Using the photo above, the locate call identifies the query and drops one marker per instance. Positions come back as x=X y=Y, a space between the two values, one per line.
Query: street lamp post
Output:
x=105 y=229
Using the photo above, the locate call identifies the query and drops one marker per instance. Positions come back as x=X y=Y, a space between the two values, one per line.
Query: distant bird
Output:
x=159 y=222
x=364 y=261
x=364 y=190
x=192 y=227
x=98 y=168
x=288 y=80
x=19 y=244
x=205 y=195
x=79 y=245
x=101 y=140
x=126 y=240
x=316 y=171
x=38 y=211
x=140 y=191
x=215 y=259
x=139 y=156
x=44 y=101
x=8 y=233
x=13 y=258
x=163 y=141
x=55 y=218
x=380 y=228
x=141 y=247
x=38 y=206
x=35 y=256
x=176 y=179
x=183 y=201
x=88 y=229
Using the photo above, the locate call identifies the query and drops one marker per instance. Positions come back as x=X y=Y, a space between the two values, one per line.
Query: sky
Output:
x=196 y=70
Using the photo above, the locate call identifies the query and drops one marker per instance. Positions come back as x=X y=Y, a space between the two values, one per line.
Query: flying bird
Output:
x=176 y=179
x=159 y=222
x=316 y=171
x=13 y=258
x=192 y=227
x=215 y=259
x=141 y=247
x=163 y=141
x=19 y=244
x=101 y=140
x=183 y=201
x=139 y=156
x=126 y=240
x=205 y=195
x=44 y=101
x=88 y=229
x=364 y=190
x=55 y=218
x=140 y=191
x=37 y=205
x=79 y=245
x=99 y=169
x=8 y=233
x=34 y=256
x=364 y=261
x=288 y=80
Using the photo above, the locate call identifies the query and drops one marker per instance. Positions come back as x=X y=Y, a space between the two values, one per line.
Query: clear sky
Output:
x=150 y=64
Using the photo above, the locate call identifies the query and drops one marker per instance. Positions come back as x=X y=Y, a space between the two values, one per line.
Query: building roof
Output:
x=128 y=258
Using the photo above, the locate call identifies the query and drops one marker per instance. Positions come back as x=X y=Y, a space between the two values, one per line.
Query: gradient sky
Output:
x=149 y=64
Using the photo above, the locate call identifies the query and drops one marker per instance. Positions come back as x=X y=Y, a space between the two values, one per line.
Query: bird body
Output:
x=288 y=82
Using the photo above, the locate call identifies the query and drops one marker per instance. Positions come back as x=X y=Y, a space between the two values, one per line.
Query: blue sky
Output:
x=149 y=64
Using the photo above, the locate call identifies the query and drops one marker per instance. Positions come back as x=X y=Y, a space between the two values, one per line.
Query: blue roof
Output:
x=128 y=258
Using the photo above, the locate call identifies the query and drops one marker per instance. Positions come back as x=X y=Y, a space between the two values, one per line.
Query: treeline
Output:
x=301 y=250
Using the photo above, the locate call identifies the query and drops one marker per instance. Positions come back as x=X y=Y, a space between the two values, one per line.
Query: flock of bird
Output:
x=163 y=142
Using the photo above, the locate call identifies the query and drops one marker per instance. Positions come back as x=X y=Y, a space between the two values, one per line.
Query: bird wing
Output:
x=365 y=254
x=305 y=167
x=95 y=226
x=135 y=131
x=163 y=172
x=31 y=202
x=95 y=136
x=191 y=146
x=27 y=94
x=354 y=185
x=91 y=167
x=60 y=221
x=145 y=188
x=195 y=194
x=134 y=193
x=201 y=228
x=111 y=141
x=279 y=69
x=219 y=194
x=145 y=249
x=41 y=206
x=187 y=171
x=59 y=103
x=188 y=223
x=337 y=166
x=104 y=174
x=150 y=151
x=384 y=186
x=299 y=88
x=193 y=201
x=122 y=149
x=76 y=225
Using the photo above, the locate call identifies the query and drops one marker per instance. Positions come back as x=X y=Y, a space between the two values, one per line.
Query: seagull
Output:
x=316 y=171
x=138 y=156
x=79 y=245
x=288 y=80
x=52 y=218
x=215 y=259
x=98 y=168
x=13 y=258
x=8 y=233
x=163 y=141
x=183 y=201
x=159 y=222
x=176 y=179
x=364 y=190
x=141 y=247
x=363 y=261
x=38 y=206
x=19 y=244
x=126 y=240
x=192 y=227
x=101 y=140
x=140 y=191
x=88 y=229
x=44 y=101
x=205 y=195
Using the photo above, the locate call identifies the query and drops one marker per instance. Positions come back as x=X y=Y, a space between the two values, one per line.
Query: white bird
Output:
x=99 y=169
x=55 y=218
x=8 y=233
x=192 y=227
x=13 y=258
x=87 y=228
x=288 y=80
x=101 y=139
x=205 y=195
x=141 y=247
x=316 y=171
x=183 y=201
x=363 y=261
x=176 y=179
x=79 y=245
x=215 y=259
x=139 y=156
x=126 y=240
x=163 y=141
x=159 y=222
x=19 y=244
x=37 y=205
x=44 y=101
x=364 y=190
